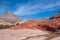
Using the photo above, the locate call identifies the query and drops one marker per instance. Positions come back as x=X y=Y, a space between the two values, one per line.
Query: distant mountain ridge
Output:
x=9 y=17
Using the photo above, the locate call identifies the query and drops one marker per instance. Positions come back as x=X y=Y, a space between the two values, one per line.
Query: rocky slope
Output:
x=51 y=24
x=5 y=23
x=27 y=34
x=9 y=17
x=39 y=29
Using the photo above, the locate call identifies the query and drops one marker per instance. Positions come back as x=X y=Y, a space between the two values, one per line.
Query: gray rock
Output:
x=9 y=17
x=57 y=32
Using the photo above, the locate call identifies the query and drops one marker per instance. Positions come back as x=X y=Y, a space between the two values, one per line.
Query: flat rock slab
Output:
x=56 y=38
x=24 y=34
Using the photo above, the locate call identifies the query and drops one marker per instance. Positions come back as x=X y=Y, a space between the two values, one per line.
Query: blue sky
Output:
x=30 y=8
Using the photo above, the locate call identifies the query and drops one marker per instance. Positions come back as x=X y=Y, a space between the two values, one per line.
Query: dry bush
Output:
x=4 y=26
x=48 y=28
x=17 y=23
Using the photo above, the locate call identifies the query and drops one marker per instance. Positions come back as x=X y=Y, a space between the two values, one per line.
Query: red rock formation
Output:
x=44 y=24
x=56 y=16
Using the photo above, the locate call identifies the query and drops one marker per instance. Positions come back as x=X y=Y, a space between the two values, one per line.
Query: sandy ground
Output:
x=27 y=34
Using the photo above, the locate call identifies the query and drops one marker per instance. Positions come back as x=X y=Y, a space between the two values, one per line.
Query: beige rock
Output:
x=5 y=23
x=21 y=34
x=57 y=38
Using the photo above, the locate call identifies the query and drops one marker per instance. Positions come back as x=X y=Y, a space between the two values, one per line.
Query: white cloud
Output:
x=25 y=10
x=29 y=9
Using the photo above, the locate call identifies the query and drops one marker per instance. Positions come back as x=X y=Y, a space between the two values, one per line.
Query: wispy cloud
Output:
x=26 y=10
x=29 y=9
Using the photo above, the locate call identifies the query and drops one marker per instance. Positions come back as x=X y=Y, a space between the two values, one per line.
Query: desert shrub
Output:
x=48 y=28
x=38 y=26
x=4 y=27
x=7 y=26
x=1 y=26
x=17 y=24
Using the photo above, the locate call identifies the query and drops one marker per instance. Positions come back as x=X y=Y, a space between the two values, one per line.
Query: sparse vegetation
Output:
x=17 y=24
x=1 y=26
x=49 y=28
x=7 y=26
x=4 y=26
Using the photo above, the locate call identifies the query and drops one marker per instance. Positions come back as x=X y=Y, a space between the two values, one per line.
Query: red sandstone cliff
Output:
x=52 y=22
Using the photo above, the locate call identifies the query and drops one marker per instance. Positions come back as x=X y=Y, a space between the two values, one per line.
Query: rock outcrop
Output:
x=50 y=24
x=56 y=15
x=5 y=23
x=9 y=17
x=39 y=29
